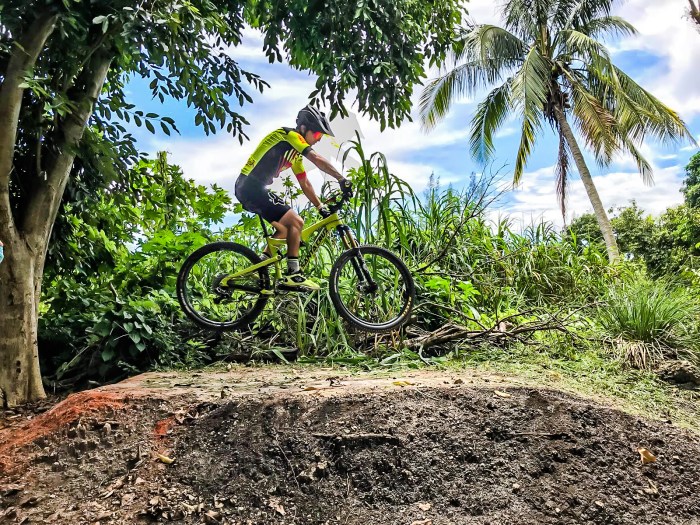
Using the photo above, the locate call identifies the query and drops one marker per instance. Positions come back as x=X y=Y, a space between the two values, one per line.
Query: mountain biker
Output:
x=279 y=150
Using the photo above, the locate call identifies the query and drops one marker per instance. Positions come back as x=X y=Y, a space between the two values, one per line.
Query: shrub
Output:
x=649 y=321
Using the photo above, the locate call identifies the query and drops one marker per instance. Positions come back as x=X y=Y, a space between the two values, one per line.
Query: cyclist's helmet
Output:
x=314 y=120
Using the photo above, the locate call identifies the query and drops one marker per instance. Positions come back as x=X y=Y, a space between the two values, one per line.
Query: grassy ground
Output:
x=580 y=367
x=591 y=372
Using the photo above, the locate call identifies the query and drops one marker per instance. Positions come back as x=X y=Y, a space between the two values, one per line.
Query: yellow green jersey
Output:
x=281 y=149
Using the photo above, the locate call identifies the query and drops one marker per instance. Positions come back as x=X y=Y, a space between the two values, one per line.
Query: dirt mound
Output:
x=428 y=456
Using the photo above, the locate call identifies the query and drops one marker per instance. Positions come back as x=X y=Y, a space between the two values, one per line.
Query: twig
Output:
x=359 y=438
x=498 y=332
x=289 y=463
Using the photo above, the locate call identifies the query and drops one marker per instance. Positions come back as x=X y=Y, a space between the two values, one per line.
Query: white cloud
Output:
x=536 y=197
x=665 y=32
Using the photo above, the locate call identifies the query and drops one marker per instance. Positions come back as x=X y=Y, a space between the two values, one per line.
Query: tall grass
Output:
x=649 y=321
x=468 y=268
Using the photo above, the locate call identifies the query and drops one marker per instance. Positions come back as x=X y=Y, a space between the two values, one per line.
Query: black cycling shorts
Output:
x=255 y=197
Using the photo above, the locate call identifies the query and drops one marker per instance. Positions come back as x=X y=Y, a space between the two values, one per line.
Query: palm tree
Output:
x=551 y=68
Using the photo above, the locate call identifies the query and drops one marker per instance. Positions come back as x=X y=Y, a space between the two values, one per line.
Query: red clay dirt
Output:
x=308 y=446
x=76 y=406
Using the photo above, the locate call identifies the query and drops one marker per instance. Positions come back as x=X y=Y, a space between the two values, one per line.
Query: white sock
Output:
x=292 y=264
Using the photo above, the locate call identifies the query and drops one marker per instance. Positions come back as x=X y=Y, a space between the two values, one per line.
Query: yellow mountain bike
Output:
x=225 y=285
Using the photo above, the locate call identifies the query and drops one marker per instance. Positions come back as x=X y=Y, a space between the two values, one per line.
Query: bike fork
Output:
x=366 y=283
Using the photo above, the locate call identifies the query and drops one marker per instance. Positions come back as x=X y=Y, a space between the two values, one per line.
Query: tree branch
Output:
x=25 y=53
x=502 y=330
x=43 y=207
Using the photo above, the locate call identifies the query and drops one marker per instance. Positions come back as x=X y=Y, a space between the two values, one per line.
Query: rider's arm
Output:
x=309 y=191
x=324 y=165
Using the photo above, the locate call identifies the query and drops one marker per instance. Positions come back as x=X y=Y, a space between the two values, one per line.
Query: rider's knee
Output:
x=298 y=222
x=294 y=222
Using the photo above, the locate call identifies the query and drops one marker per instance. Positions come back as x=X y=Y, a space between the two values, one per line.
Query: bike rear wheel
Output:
x=212 y=301
x=372 y=289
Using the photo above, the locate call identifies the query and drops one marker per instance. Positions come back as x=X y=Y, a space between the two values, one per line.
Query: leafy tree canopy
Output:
x=376 y=48
x=691 y=184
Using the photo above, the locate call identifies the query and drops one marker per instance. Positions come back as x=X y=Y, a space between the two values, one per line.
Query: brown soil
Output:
x=282 y=447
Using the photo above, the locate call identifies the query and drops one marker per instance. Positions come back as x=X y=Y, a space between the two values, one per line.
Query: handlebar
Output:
x=336 y=200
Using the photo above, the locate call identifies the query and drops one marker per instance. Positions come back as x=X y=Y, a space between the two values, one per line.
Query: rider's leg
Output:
x=280 y=233
x=294 y=279
x=293 y=224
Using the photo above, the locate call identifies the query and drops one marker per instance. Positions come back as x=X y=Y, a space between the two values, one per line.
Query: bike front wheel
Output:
x=372 y=289
x=211 y=297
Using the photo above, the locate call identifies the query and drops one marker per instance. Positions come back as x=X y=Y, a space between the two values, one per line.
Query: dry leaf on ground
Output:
x=276 y=505
x=403 y=383
x=646 y=456
x=164 y=459
x=501 y=394
x=424 y=506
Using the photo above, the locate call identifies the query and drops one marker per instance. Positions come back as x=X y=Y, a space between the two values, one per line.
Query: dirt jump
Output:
x=290 y=445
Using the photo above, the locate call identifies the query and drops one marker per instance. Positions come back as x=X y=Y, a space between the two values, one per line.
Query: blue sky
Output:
x=660 y=58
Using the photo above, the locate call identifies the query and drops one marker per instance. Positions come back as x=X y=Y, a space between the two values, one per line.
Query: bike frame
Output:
x=323 y=227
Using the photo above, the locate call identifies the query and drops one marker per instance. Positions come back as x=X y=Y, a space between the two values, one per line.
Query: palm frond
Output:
x=608 y=25
x=594 y=121
x=490 y=115
x=490 y=52
x=520 y=17
x=529 y=92
x=645 y=169
x=662 y=122
x=440 y=93
x=496 y=43
x=583 y=11
x=578 y=45
x=491 y=44
x=638 y=113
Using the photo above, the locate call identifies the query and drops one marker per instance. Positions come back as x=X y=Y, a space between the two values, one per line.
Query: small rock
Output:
x=304 y=478
x=679 y=372
x=516 y=487
x=10 y=490
x=28 y=501
x=107 y=429
x=599 y=504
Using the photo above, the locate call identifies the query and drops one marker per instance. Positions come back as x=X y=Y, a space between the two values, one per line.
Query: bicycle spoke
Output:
x=372 y=289
x=216 y=297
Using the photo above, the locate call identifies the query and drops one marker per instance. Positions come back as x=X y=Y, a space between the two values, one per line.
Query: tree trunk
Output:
x=695 y=12
x=598 y=209
x=26 y=241
x=20 y=379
